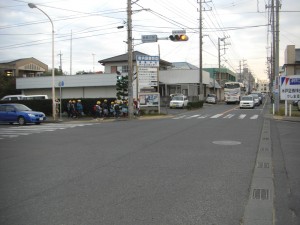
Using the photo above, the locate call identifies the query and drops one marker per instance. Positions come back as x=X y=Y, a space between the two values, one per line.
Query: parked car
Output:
x=299 y=105
x=295 y=102
x=13 y=97
x=19 y=113
x=256 y=99
x=247 y=101
x=260 y=96
x=211 y=98
x=179 y=101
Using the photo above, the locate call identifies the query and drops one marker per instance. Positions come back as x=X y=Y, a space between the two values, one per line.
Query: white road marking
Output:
x=254 y=117
x=204 y=116
x=216 y=116
x=12 y=132
x=228 y=116
x=242 y=116
x=190 y=117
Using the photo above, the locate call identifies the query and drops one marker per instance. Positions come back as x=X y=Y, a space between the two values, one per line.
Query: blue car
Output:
x=19 y=113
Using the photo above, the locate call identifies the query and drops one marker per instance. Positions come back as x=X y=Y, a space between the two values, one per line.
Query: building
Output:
x=173 y=78
x=27 y=67
x=291 y=61
x=263 y=86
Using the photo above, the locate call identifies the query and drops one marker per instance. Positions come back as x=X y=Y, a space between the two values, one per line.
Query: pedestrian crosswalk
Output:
x=216 y=116
x=16 y=131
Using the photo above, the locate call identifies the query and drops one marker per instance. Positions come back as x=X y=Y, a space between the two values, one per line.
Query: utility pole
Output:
x=200 y=53
x=71 y=53
x=130 y=63
x=93 y=62
x=240 y=68
x=219 y=60
x=60 y=65
x=277 y=56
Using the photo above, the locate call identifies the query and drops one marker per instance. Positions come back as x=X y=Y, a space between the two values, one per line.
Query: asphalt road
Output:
x=194 y=168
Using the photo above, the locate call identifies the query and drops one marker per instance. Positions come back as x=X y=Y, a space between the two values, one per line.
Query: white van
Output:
x=179 y=101
x=36 y=97
x=13 y=97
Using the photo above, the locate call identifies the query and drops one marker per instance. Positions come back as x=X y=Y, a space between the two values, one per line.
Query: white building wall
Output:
x=183 y=76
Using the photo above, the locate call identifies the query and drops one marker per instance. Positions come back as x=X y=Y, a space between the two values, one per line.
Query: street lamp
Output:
x=31 y=5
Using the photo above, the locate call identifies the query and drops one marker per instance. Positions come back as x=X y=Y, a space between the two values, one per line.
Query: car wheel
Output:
x=11 y=123
x=37 y=123
x=21 y=121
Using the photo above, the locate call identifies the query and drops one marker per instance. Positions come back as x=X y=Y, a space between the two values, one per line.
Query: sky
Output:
x=87 y=31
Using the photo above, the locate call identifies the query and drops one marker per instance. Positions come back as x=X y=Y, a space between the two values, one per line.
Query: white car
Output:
x=211 y=98
x=179 y=101
x=256 y=99
x=247 y=102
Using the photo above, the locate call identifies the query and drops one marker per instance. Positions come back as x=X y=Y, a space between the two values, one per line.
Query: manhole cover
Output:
x=227 y=142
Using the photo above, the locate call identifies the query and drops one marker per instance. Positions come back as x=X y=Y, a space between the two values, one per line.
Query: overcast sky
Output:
x=26 y=32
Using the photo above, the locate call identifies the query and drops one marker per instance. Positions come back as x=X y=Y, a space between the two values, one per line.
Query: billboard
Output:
x=149 y=99
x=290 y=87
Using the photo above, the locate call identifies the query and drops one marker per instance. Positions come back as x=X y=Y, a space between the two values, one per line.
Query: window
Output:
x=125 y=69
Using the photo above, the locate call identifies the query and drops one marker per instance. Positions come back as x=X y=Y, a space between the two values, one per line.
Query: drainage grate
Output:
x=265 y=138
x=260 y=194
x=263 y=165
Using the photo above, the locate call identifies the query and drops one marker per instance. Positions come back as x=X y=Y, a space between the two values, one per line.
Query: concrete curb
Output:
x=101 y=120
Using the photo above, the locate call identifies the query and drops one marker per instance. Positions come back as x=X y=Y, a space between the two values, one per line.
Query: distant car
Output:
x=260 y=96
x=19 y=113
x=299 y=105
x=247 y=102
x=256 y=99
x=211 y=98
x=179 y=101
x=295 y=102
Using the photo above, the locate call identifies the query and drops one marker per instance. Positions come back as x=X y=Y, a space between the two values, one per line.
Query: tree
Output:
x=8 y=85
x=122 y=87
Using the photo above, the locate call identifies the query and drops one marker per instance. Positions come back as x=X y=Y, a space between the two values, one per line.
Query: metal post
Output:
x=31 y=5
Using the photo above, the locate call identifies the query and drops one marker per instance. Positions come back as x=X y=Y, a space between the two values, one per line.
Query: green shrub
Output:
x=195 y=105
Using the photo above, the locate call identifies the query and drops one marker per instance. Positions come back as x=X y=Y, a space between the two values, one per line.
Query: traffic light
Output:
x=179 y=37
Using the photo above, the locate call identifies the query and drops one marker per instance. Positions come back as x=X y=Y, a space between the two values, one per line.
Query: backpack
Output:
x=117 y=107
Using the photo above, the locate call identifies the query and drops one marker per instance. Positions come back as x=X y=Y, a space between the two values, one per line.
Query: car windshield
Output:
x=22 y=108
x=254 y=95
x=211 y=95
x=232 y=85
x=178 y=98
x=247 y=98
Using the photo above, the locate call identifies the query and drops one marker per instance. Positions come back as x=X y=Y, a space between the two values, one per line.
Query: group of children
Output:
x=116 y=109
x=74 y=109
x=103 y=109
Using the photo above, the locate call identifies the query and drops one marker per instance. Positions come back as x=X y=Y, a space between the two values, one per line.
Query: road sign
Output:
x=178 y=32
x=146 y=60
x=149 y=38
x=61 y=83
